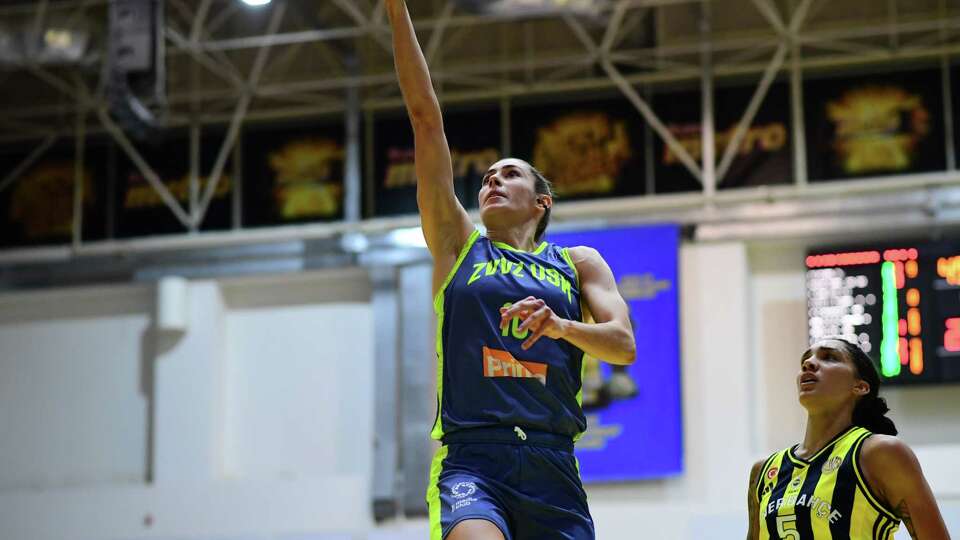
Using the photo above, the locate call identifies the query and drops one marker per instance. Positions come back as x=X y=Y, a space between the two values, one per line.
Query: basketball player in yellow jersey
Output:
x=850 y=478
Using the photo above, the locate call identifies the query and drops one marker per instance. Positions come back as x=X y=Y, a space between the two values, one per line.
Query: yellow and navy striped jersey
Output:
x=823 y=497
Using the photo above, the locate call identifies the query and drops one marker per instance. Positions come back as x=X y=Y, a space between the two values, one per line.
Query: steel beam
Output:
x=148 y=173
x=436 y=36
x=948 y=125
x=755 y=100
x=27 y=162
x=352 y=178
x=796 y=22
x=651 y=118
x=198 y=19
x=194 y=171
x=708 y=160
x=613 y=27
x=377 y=26
x=770 y=12
x=627 y=89
x=683 y=208
x=79 y=140
x=351 y=9
x=239 y=113
x=796 y=116
x=218 y=68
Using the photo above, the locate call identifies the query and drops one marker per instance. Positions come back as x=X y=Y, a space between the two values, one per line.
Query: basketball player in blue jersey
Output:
x=510 y=337
x=850 y=478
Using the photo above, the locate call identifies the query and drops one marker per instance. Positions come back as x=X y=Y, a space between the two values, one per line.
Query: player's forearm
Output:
x=412 y=70
x=608 y=341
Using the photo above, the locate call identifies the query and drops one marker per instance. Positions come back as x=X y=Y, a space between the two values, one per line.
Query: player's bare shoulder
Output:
x=585 y=257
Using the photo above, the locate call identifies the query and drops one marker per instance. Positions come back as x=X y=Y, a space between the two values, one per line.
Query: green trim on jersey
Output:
x=508 y=247
x=437 y=431
x=583 y=317
x=433 y=493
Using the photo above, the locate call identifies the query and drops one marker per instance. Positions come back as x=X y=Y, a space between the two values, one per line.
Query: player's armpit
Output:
x=753 y=505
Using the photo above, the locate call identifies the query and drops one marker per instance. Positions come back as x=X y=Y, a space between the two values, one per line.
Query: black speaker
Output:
x=132 y=35
x=135 y=73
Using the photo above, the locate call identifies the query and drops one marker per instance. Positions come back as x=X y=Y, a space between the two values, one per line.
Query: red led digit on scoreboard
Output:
x=949 y=269
x=900 y=255
x=916 y=356
x=951 y=336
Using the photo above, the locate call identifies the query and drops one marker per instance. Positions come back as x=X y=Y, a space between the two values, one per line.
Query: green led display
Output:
x=889 y=351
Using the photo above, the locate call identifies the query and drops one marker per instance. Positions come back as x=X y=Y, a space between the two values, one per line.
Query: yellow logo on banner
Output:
x=142 y=195
x=878 y=128
x=402 y=173
x=304 y=172
x=582 y=152
x=767 y=138
x=43 y=200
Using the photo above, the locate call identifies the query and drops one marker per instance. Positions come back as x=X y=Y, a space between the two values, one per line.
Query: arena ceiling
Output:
x=228 y=64
x=228 y=61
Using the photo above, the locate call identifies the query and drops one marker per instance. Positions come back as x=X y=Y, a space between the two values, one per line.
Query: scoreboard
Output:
x=900 y=303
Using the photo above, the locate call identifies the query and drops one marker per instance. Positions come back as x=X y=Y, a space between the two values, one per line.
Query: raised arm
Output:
x=892 y=469
x=446 y=225
x=753 y=505
x=609 y=337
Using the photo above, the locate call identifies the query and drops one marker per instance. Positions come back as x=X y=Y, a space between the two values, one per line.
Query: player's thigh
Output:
x=475 y=529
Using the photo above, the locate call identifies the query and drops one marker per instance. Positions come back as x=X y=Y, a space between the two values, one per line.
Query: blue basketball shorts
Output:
x=525 y=483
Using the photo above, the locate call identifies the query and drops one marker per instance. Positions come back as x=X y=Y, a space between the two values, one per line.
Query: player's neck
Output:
x=517 y=237
x=821 y=429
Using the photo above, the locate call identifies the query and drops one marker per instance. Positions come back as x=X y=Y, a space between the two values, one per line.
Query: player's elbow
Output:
x=630 y=354
x=628 y=349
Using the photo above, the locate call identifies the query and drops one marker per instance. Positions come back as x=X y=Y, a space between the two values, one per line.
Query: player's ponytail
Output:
x=870 y=412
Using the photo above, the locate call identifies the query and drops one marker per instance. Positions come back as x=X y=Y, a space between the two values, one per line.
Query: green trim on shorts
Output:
x=433 y=493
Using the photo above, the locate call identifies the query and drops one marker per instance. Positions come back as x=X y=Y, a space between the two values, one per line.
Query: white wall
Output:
x=113 y=429
x=300 y=396
x=58 y=384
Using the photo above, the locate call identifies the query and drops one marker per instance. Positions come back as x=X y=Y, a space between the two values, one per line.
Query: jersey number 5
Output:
x=787 y=527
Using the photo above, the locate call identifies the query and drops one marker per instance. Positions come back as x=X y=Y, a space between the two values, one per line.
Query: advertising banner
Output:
x=141 y=211
x=875 y=125
x=37 y=207
x=634 y=421
x=588 y=148
x=954 y=87
x=763 y=156
x=474 y=140
x=293 y=174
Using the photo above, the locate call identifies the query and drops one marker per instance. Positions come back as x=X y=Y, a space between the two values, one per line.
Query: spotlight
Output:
x=256 y=2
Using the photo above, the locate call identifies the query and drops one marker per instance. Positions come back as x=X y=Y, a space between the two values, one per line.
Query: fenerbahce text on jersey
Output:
x=824 y=497
x=484 y=377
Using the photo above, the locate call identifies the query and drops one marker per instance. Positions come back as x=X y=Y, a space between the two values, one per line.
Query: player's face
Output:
x=828 y=378
x=507 y=195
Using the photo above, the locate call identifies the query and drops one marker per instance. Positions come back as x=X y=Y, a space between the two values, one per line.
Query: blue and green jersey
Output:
x=484 y=377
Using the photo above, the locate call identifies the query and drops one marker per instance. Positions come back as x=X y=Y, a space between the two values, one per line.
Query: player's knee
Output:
x=475 y=529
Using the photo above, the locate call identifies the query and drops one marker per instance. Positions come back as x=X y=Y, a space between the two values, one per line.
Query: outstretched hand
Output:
x=537 y=317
